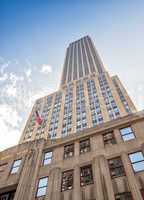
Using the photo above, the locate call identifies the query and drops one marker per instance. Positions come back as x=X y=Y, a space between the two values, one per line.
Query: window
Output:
x=68 y=151
x=109 y=139
x=137 y=161
x=15 y=166
x=124 y=196
x=142 y=193
x=86 y=176
x=127 y=133
x=84 y=146
x=67 y=180
x=42 y=186
x=116 y=167
x=47 y=158
x=7 y=196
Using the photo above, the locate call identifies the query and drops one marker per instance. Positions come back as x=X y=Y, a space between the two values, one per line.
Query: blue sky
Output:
x=34 y=35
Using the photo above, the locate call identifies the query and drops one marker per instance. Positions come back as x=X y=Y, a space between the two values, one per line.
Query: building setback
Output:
x=88 y=144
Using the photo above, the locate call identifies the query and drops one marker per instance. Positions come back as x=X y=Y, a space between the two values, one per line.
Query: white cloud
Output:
x=4 y=66
x=46 y=69
x=9 y=124
x=17 y=96
x=28 y=73
x=9 y=115
x=12 y=85
x=3 y=75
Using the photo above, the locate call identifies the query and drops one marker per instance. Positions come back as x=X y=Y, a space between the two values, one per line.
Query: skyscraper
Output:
x=88 y=96
x=83 y=142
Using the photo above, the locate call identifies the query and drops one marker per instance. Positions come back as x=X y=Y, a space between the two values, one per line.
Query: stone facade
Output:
x=104 y=184
x=90 y=144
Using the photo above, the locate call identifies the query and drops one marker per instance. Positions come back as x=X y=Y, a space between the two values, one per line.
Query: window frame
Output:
x=86 y=147
x=136 y=161
x=106 y=140
x=62 y=180
x=17 y=166
x=49 y=158
x=112 y=168
x=71 y=144
x=92 y=178
x=41 y=187
x=130 y=133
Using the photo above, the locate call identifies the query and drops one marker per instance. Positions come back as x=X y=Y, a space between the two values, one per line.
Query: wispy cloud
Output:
x=18 y=93
x=28 y=73
x=46 y=69
x=3 y=66
x=9 y=124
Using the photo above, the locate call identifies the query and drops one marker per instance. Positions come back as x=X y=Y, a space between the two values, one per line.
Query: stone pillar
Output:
x=131 y=178
x=118 y=137
x=88 y=111
x=76 y=186
x=26 y=186
x=99 y=195
x=54 y=185
x=107 y=182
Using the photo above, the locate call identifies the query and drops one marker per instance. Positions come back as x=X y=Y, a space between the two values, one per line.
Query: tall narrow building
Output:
x=88 y=96
x=83 y=142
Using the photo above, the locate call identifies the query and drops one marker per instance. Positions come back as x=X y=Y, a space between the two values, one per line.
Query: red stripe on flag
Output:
x=38 y=118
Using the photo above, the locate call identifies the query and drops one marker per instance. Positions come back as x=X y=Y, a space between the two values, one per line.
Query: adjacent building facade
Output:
x=90 y=144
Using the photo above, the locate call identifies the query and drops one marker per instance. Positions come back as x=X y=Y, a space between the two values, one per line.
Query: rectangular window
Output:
x=7 y=196
x=137 y=161
x=123 y=196
x=47 y=158
x=86 y=176
x=67 y=180
x=16 y=166
x=68 y=151
x=42 y=187
x=109 y=139
x=116 y=167
x=127 y=133
x=84 y=146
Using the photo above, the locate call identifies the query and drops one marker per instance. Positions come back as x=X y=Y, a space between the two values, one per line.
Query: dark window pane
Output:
x=67 y=180
x=109 y=139
x=116 y=167
x=86 y=176
x=84 y=146
x=124 y=196
x=68 y=151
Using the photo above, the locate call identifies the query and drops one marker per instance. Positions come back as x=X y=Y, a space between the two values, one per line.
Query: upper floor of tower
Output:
x=81 y=60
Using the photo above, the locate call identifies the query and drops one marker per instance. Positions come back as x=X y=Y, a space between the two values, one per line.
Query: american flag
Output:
x=38 y=118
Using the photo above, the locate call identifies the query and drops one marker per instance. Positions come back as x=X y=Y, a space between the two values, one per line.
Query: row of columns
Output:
x=102 y=181
x=103 y=188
